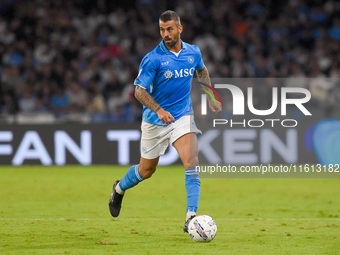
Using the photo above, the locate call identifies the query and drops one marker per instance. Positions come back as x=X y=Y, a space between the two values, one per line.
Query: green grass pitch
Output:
x=64 y=210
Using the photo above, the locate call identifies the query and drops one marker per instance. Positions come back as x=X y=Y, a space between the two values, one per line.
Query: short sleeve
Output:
x=146 y=73
x=200 y=63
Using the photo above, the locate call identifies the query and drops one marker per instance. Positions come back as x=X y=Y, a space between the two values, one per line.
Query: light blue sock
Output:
x=192 y=185
x=131 y=178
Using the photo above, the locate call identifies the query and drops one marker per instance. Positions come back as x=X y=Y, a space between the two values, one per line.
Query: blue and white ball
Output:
x=202 y=228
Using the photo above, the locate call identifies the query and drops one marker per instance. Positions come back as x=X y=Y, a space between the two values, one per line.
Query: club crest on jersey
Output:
x=190 y=59
x=168 y=74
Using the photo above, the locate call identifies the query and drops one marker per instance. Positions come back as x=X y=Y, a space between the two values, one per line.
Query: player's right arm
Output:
x=146 y=75
x=146 y=99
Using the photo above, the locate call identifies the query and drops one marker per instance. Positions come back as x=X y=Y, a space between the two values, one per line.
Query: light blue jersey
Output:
x=167 y=78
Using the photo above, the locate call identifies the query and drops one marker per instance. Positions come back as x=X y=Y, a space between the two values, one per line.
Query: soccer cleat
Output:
x=186 y=225
x=115 y=202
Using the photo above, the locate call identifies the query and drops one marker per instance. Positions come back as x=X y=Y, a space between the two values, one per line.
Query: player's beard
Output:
x=173 y=42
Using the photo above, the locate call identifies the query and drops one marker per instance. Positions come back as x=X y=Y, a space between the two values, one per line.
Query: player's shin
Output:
x=130 y=179
x=192 y=185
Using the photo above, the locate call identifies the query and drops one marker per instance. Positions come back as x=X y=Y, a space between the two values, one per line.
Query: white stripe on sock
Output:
x=137 y=173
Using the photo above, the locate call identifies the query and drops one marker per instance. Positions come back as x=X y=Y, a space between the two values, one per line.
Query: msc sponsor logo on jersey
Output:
x=184 y=72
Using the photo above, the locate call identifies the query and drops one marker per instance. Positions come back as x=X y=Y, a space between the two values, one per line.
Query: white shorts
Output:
x=155 y=138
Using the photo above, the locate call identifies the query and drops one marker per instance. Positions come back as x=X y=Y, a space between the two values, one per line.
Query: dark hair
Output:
x=170 y=15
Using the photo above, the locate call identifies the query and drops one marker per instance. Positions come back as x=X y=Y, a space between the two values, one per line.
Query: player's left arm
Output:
x=203 y=76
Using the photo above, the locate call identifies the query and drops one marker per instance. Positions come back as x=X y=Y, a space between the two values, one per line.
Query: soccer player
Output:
x=163 y=87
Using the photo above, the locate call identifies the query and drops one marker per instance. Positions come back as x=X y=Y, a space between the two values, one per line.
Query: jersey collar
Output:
x=165 y=49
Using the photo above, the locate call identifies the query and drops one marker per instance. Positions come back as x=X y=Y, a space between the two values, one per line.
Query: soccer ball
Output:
x=202 y=228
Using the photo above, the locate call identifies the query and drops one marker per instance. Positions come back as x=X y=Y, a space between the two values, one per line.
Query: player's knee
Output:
x=191 y=163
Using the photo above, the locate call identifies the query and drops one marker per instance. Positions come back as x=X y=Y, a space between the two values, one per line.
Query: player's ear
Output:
x=180 y=29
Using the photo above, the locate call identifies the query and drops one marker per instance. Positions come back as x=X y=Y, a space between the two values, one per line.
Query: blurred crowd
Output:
x=82 y=56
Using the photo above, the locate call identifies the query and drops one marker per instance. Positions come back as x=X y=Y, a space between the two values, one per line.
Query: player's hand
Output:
x=165 y=116
x=214 y=107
